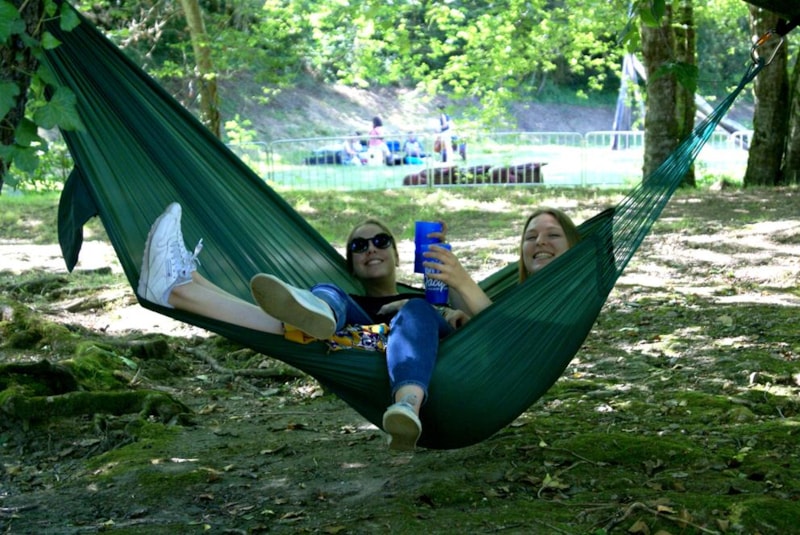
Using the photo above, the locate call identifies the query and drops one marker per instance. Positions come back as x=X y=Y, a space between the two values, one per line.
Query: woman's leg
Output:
x=412 y=348
x=411 y=353
x=293 y=306
x=169 y=278
x=345 y=309
x=201 y=296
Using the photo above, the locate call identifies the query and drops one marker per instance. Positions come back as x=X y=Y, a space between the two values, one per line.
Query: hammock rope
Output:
x=141 y=150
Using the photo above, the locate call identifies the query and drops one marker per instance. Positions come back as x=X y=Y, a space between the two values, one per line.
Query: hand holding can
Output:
x=421 y=241
x=436 y=291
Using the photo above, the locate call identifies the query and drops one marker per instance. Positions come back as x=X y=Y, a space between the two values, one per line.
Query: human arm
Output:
x=456 y=318
x=390 y=309
x=465 y=294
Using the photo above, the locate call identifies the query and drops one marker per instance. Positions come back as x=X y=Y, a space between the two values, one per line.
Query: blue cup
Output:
x=436 y=291
x=421 y=239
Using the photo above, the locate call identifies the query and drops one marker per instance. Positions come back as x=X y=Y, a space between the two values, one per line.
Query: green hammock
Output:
x=141 y=150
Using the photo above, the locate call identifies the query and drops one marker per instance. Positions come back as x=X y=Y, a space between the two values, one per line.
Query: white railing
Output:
x=604 y=158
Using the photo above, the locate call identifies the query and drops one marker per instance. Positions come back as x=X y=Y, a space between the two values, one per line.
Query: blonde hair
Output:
x=569 y=228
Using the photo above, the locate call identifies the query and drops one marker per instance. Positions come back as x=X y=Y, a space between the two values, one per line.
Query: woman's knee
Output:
x=327 y=288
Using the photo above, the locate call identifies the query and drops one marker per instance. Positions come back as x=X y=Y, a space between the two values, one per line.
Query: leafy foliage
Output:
x=489 y=54
x=28 y=146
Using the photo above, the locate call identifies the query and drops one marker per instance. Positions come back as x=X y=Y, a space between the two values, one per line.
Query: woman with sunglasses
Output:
x=169 y=277
x=547 y=234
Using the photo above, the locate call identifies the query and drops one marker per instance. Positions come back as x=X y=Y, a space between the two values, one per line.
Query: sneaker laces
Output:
x=190 y=260
x=183 y=262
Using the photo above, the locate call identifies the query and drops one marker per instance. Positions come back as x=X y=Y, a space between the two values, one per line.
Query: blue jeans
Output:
x=414 y=334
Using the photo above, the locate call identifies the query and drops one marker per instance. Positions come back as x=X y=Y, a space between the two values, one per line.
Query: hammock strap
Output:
x=636 y=213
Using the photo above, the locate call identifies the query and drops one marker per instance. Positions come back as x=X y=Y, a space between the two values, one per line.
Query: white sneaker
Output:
x=403 y=426
x=166 y=262
x=293 y=306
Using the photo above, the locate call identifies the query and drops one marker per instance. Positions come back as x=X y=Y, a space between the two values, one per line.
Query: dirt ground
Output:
x=680 y=414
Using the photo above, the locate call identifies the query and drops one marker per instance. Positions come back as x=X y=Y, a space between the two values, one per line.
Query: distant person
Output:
x=447 y=133
x=412 y=147
x=378 y=152
x=352 y=150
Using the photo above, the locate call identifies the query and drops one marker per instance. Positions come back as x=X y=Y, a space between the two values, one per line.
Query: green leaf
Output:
x=26 y=159
x=49 y=41
x=45 y=75
x=7 y=152
x=8 y=97
x=26 y=133
x=49 y=8
x=11 y=180
x=10 y=21
x=652 y=12
x=61 y=111
x=69 y=17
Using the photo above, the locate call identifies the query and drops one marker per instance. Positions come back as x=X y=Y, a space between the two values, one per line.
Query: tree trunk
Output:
x=770 y=118
x=791 y=162
x=206 y=77
x=686 y=52
x=17 y=62
x=660 y=124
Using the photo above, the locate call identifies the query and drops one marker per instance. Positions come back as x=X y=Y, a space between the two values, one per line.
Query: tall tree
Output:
x=661 y=122
x=791 y=162
x=686 y=54
x=770 y=120
x=205 y=75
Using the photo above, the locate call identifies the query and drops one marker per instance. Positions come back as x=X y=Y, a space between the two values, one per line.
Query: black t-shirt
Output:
x=372 y=305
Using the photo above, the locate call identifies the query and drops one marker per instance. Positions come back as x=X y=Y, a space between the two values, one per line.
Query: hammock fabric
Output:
x=140 y=150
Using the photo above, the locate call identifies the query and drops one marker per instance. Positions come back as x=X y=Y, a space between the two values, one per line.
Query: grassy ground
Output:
x=679 y=415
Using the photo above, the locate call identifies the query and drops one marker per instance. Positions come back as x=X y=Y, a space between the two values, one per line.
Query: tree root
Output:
x=40 y=391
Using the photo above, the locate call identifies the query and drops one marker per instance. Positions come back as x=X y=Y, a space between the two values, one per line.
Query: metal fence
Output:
x=606 y=158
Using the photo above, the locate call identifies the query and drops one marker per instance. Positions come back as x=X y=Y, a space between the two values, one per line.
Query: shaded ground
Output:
x=681 y=412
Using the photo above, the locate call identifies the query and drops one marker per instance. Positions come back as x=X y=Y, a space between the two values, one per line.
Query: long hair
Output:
x=570 y=232
x=369 y=221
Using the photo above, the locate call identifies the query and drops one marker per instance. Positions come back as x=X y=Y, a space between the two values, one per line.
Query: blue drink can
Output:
x=436 y=291
x=421 y=240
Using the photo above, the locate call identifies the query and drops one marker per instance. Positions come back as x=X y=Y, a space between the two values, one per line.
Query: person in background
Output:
x=446 y=134
x=548 y=233
x=377 y=152
x=412 y=147
x=352 y=150
x=169 y=278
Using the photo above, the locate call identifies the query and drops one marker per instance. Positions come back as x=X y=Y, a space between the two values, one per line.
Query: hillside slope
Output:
x=323 y=111
x=314 y=110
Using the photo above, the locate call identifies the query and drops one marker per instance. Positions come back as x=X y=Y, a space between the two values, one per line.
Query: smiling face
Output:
x=374 y=263
x=544 y=239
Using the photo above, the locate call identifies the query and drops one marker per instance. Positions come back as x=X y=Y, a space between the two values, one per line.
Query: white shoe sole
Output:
x=403 y=429
x=293 y=306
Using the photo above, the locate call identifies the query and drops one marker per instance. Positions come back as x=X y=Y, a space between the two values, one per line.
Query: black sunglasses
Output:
x=361 y=245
